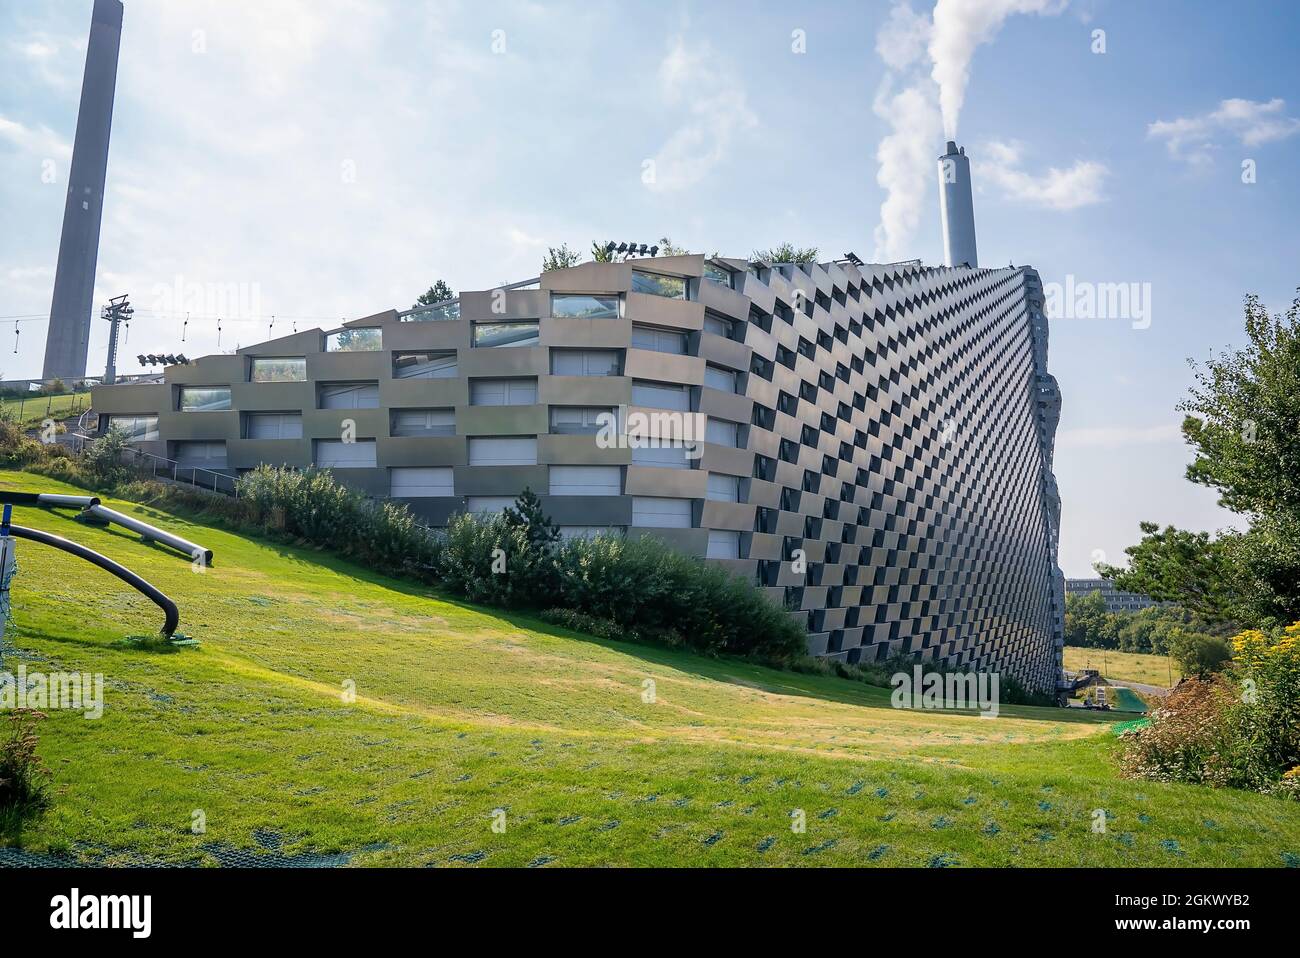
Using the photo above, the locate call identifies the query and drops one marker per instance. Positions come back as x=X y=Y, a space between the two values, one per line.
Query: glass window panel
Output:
x=349 y=395
x=661 y=396
x=660 y=340
x=137 y=428
x=671 y=287
x=661 y=513
x=423 y=422
x=716 y=274
x=723 y=544
x=723 y=488
x=204 y=398
x=722 y=432
x=584 y=362
x=201 y=455
x=503 y=392
x=424 y=365
x=503 y=451
x=364 y=340
x=672 y=456
x=274 y=425
x=345 y=455
x=582 y=306
x=574 y=420
x=505 y=334
x=718 y=378
x=415 y=481
x=586 y=480
x=289 y=369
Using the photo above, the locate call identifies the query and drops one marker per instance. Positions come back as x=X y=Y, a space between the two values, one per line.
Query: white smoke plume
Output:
x=912 y=101
x=959 y=26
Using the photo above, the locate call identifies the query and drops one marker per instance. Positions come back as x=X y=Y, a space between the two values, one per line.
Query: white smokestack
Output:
x=956 y=210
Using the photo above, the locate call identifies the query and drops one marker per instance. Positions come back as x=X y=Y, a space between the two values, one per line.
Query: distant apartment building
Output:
x=1116 y=601
x=870 y=444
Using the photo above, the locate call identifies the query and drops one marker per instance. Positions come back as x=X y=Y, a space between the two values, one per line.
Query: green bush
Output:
x=102 y=459
x=24 y=779
x=644 y=583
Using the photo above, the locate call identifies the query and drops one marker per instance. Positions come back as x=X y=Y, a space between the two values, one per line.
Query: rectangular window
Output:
x=658 y=513
x=716 y=274
x=349 y=395
x=447 y=311
x=423 y=422
x=722 y=432
x=488 y=503
x=289 y=369
x=670 y=287
x=503 y=451
x=717 y=325
x=273 y=425
x=723 y=488
x=661 y=396
x=204 y=398
x=424 y=365
x=586 y=480
x=502 y=392
x=715 y=377
x=201 y=455
x=582 y=306
x=365 y=340
x=723 y=544
x=577 y=420
x=664 y=457
x=584 y=362
x=137 y=428
x=338 y=454
x=660 y=340
x=505 y=334
x=414 y=482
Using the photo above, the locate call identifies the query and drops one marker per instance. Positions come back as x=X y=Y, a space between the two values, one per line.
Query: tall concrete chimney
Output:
x=68 y=339
x=955 y=208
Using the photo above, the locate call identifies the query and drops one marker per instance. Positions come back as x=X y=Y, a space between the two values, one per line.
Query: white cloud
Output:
x=906 y=164
x=1056 y=189
x=41 y=142
x=904 y=37
x=1249 y=122
x=694 y=80
x=1118 y=436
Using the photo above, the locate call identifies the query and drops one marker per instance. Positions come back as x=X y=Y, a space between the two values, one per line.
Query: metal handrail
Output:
x=176 y=468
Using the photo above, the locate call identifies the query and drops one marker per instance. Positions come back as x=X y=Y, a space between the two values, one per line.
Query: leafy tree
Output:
x=1199 y=655
x=786 y=253
x=1243 y=418
x=437 y=293
x=560 y=257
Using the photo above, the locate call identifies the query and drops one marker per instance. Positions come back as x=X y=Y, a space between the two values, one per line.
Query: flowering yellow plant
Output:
x=1253 y=648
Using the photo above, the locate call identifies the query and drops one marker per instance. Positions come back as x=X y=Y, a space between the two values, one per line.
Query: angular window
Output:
x=722 y=432
x=349 y=395
x=584 y=362
x=715 y=377
x=503 y=451
x=204 y=398
x=718 y=325
x=723 y=544
x=338 y=454
x=447 y=311
x=582 y=306
x=201 y=455
x=414 y=482
x=488 y=503
x=506 y=334
x=424 y=365
x=273 y=425
x=137 y=428
x=423 y=422
x=364 y=340
x=671 y=456
x=586 y=480
x=716 y=274
x=578 y=420
x=723 y=488
x=659 y=340
x=289 y=369
x=661 y=396
x=654 y=284
x=655 y=513
x=502 y=392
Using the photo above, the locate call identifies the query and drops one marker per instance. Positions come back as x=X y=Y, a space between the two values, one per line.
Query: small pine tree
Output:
x=527 y=516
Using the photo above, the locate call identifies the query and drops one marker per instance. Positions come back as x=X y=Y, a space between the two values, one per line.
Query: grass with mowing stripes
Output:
x=460 y=711
x=1140 y=667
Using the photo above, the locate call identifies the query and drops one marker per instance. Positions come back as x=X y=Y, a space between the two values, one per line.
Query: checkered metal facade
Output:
x=878 y=453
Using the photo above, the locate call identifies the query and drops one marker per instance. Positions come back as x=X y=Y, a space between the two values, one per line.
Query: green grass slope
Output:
x=459 y=712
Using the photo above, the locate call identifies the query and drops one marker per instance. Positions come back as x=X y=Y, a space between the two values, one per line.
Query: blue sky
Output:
x=328 y=159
